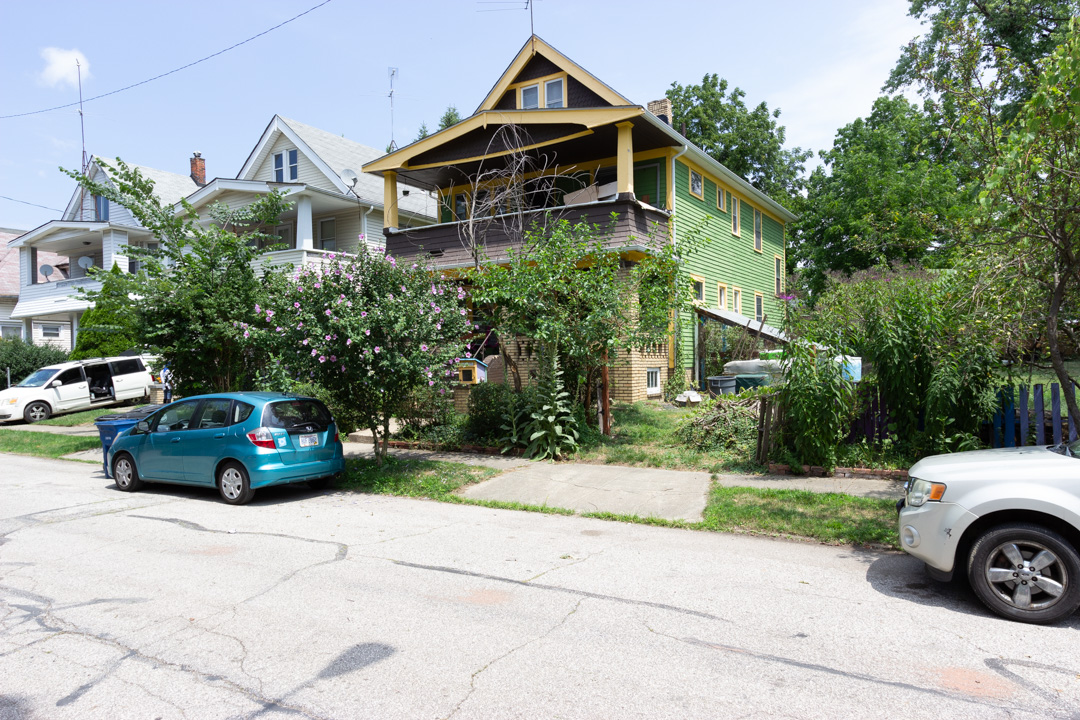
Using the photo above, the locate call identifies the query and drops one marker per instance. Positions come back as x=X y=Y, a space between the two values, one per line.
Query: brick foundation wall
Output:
x=628 y=374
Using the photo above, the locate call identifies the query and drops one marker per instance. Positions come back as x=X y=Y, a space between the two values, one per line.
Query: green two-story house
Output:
x=573 y=147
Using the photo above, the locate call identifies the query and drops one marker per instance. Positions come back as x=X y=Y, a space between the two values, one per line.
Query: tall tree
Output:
x=195 y=291
x=748 y=142
x=449 y=118
x=1028 y=30
x=888 y=190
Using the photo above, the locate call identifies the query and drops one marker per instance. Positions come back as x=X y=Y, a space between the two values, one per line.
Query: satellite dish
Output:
x=350 y=177
x=86 y=262
x=47 y=270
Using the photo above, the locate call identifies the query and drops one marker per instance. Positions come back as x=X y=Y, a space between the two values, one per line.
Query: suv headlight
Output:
x=919 y=491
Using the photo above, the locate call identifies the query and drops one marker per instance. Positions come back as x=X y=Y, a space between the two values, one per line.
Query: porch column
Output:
x=28 y=330
x=305 y=237
x=74 y=317
x=114 y=250
x=390 y=218
x=624 y=159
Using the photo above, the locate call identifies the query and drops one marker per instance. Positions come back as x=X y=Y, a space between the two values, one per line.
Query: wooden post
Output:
x=1023 y=415
x=605 y=396
x=1040 y=415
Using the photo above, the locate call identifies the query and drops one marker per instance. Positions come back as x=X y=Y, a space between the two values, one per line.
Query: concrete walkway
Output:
x=75 y=431
x=646 y=492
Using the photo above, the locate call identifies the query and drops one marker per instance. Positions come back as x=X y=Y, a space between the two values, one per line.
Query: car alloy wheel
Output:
x=36 y=412
x=125 y=475
x=1026 y=572
x=234 y=485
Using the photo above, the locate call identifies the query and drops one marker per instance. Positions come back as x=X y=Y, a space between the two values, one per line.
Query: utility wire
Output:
x=5 y=197
x=170 y=72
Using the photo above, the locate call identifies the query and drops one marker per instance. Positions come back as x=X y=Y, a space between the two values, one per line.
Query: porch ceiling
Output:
x=564 y=145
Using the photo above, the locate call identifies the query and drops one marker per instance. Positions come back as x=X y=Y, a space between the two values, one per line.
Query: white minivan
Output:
x=78 y=385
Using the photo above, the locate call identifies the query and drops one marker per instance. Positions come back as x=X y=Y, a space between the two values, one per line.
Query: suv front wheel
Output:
x=1025 y=572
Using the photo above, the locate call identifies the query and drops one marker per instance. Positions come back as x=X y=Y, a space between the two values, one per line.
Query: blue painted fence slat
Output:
x=1023 y=415
x=1040 y=416
x=1010 y=418
x=1055 y=410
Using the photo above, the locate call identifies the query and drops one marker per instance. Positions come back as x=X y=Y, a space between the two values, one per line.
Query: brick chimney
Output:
x=661 y=109
x=198 y=169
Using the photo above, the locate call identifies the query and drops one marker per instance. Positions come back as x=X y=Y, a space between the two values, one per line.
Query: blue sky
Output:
x=821 y=63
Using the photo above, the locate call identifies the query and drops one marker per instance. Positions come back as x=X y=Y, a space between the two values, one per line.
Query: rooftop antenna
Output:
x=532 y=28
x=82 y=129
x=392 y=72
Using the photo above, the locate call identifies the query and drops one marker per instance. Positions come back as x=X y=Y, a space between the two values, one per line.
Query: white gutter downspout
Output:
x=364 y=225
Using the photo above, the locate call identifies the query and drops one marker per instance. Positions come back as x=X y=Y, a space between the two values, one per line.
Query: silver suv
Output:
x=1008 y=518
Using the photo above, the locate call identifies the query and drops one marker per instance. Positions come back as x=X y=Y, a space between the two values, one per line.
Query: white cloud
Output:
x=829 y=95
x=60 y=68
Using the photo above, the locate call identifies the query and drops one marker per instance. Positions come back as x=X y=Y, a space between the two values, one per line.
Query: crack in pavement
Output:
x=864 y=677
x=511 y=651
x=72 y=630
x=556 y=588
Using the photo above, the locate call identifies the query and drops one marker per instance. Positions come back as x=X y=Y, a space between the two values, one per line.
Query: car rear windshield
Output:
x=38 y=378
x=297 y=415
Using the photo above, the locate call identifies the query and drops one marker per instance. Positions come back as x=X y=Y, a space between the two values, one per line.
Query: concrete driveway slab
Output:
x=646 y=492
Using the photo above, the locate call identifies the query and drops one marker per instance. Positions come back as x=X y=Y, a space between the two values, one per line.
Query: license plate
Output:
x=309 y=440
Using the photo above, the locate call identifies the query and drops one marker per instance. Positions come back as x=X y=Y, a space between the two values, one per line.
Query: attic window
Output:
x=553 y=93
x=530 y=97
x=280 y=165
x=101 y=208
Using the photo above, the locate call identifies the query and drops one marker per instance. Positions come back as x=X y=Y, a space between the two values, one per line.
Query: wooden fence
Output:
x=1012 y=426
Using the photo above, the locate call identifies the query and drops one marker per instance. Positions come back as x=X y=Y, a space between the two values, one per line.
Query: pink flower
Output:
x=314 y=352
x=246 y=333
x=378 y=349
x=327 y=337
x=402 y=288
x=322 y=358
x=367 y=332
x=462 y=311
x=269 y=314
x=305 y=341
x=438 y=326
x=318 y=285
x=423 y=347
x=341 y=297
x=296 y=305
x=430 y=383
x=279 y=329
x=257 y=308
x=333 y=358
x=342 y=368
x=329 y=312
x=348 y=342
x=363 y=313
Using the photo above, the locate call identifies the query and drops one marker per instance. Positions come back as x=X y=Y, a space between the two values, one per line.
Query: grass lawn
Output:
x=644 y=435
x=86 y=417
x=49 y=445
x=828 y=518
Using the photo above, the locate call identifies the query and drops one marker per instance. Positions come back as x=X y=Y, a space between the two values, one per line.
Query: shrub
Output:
x=21 y=358
x=425 y=410
x=542 y=421
x=488 y=404
x=727 y=423
x=107 y=328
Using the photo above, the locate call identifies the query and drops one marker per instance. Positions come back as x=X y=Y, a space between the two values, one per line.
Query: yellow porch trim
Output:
x=390 y=204
x=589 y=117
x=474 y=158
x=624 y=158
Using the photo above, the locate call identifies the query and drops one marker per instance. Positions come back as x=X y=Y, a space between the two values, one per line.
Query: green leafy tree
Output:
x=367 y=330
x=747 y=142
x=1026 y=30
x=198 y=287
x=449 y=118
x=19 y=359
x=107 y=328
x=888 y=191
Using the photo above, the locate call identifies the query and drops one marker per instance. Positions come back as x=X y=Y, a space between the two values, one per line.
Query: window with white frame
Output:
x=50 y=331
x=697 y=185
x=286 y=165
x=327 y=234
x=757 y=230
x=735 y=215
x=652 y=381
x=285 y=233
x=779 y=273
x=721 y=203
x=736 y=300
x=698 y=285
x=530 y=97
x=11 y=332
x=721 y=296
x=101 y=208
x=553 y=94
x=759 y=307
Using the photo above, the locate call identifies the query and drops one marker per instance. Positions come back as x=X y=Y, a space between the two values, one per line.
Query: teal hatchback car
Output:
x=238 y=442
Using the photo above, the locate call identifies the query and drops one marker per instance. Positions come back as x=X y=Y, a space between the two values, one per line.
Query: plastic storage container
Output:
x=743 y=382
x=722 y=384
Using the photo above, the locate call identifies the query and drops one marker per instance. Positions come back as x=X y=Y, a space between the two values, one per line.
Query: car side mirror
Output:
x=142 y=426
x=55 y=383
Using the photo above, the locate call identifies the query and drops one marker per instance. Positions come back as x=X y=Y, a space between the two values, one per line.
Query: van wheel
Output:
x=124 y=473
x=36 y=412
x=234 y=485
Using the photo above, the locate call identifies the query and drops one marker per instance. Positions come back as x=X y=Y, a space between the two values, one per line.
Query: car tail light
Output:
x=337 y=437
x=261 y=437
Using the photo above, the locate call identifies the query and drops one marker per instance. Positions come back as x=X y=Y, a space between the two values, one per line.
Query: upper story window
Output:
x=553 y=94
x=697 y=185
x=286 y=165
x=757 y=230
x=698 y=285
x=721 y=205
x=101 y=208
x=759 y=307
x=735 y=215
x=530 y=97
x=550 y=93
x=778 y=275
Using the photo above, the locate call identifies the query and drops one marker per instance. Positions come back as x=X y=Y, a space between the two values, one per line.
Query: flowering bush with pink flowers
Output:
x=368 y=331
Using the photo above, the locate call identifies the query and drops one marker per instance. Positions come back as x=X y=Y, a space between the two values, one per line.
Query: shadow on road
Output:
x=275 y=495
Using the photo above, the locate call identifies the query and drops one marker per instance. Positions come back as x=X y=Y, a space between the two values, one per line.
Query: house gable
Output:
x=537 y=61
x=280 y=137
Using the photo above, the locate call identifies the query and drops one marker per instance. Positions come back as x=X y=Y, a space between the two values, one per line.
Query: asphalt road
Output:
x=169 y=604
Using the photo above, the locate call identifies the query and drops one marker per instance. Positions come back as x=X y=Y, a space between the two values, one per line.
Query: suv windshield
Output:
x=298 y=413
x=38 y=378
x=1074 y=448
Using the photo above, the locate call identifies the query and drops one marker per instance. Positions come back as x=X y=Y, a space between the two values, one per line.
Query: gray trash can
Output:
x=722 y=384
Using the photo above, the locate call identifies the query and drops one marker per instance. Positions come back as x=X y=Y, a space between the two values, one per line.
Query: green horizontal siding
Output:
x=726 y=257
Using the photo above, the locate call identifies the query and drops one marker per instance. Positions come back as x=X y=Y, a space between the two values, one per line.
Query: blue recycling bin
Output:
x=109 y=427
